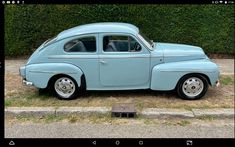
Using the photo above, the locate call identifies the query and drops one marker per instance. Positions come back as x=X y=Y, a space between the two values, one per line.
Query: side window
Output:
x=120 y=44
x=86 y=44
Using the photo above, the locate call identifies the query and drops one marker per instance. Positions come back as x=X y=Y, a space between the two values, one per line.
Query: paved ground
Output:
x=220 y=129
x=12 y=66
x=226 y=65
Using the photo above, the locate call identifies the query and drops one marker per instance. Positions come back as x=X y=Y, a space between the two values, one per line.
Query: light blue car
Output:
x=117 y=56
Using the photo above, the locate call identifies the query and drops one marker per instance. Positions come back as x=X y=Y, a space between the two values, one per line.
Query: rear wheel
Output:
x=65 y=88
x=192 y=87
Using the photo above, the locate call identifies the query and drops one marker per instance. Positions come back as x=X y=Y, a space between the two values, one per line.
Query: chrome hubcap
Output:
x=65 y=87
x=192 y=87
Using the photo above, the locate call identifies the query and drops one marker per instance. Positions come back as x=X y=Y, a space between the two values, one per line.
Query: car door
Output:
x=124 y=62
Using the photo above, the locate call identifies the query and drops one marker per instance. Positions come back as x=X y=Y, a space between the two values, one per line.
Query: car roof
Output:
x=110 y=27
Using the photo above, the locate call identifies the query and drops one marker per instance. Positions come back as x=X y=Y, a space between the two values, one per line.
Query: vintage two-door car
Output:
x=117 y=56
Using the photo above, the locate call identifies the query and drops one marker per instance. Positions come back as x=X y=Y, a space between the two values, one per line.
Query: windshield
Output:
x=146 y=40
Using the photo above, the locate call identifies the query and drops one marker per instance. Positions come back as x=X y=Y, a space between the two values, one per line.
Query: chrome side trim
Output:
x=107 y=56
x=81 y=56
x=184 y=70
x=190 y=55
x=53 y=72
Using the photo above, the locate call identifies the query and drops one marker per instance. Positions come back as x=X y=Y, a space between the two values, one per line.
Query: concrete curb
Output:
x=182 y=113
x=24 y=111
x=166 y=113
x=148 y=112
x=76 y=110
x=42 y=111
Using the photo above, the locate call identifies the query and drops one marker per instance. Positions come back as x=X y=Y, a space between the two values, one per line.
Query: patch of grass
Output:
x=183 y=122
x=7 y=102
x=99 y=118
x=106 y=119
x=227 y=80
x=206 y=118
x=139 y=106
x=177 y=122
x=52 y=118
x=73 y=119
x=168 y=123
x=45 y=119
x=148 y=121
x=24 y=118
x=186 y=107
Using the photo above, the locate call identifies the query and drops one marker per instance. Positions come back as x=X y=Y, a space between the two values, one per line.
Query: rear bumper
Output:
x=22 y=71
x=27 y=83
x=217 y=83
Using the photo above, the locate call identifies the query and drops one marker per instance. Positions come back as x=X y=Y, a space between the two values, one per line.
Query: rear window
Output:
x=85 y=44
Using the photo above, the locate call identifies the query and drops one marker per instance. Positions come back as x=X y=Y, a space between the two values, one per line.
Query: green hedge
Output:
x=208 y=26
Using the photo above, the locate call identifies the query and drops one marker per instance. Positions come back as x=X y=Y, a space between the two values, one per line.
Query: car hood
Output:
x=180 y=52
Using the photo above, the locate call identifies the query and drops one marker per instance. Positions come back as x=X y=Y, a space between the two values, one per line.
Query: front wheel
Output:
x=65 y=88
x=192 y=87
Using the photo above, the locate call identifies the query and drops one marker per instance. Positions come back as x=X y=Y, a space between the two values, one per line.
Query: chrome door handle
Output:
x=102 y=61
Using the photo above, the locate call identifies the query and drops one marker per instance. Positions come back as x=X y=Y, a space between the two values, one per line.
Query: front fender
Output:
x=39 y=74
x=166 y=76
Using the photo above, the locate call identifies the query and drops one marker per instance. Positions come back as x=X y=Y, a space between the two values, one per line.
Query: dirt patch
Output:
x=18 y=95
x=14 y=88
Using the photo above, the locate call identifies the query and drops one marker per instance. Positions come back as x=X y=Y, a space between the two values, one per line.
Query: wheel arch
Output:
x=81 y=85
x=191 y=74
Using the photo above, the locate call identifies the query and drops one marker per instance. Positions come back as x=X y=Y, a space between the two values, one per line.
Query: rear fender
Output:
x=40 y=74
